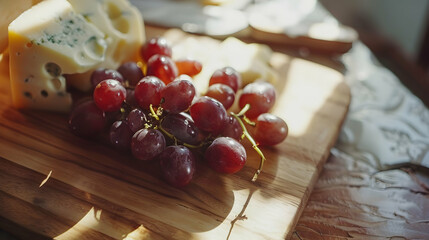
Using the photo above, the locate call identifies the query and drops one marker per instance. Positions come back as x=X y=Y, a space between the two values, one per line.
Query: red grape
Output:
x=156 y=45
x=162 y=67
x=269 y=130
x=109 y=95
x=232 y=129
x=101 y=74
x=120 y=135
x=260 y=95
x=223 y=93
x=131 y=72
x=181 y=126
x=177 y=165
x=146 y=144
x=208 y=114
x=148 y=91
x=189 y=67
x=225 y=155
x=178 y=95
x=87 y=120
x=228 y=76
x=137 y=118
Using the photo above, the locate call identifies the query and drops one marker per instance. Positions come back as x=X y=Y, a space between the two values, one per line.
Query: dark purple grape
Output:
x=137 y=118
x=101 y=74
x=178 y=95
x=208 y=114
x=182 y=127
x=225 y=155
x=131 y=72
x=232 y=129
x=148 y=91
x=223 y=93
x=270 y=130
x=112 y=117
x=120 y=135
x=130 y=99
x=146 y=144
x=177 y=165
x=260 y=95
x=87 y=120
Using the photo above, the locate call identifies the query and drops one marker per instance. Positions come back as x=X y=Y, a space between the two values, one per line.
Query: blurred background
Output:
x=401 y=22
x=396 y=31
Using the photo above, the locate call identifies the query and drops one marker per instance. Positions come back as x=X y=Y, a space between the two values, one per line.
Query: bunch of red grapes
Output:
x=155 y=114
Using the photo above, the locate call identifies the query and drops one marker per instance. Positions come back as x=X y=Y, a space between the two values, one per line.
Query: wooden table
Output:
x=353 y=200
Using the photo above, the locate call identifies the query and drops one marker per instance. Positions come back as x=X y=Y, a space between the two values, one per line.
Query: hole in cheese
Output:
x=94 y=48
x=122 y=25
x=53 y=69
x=118 y=21
x=113 y=11
x=28 y=95
x=56 y=83
x=44 y=93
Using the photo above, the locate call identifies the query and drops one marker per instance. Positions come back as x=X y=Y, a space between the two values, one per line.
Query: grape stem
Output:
x=176 y=141
x=246 y=134
x=152 y=111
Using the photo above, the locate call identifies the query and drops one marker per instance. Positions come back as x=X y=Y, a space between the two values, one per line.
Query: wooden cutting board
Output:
x=95 y=192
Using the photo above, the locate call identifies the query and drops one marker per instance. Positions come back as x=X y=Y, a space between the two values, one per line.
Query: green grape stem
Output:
x=152 y=111
x=176 y=141
x=246 y=134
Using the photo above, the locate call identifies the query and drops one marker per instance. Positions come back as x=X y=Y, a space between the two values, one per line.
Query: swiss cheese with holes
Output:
x=54 y=39
x=124 y=33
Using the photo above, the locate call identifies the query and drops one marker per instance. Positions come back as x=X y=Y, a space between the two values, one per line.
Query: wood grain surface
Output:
x=354 y=200
x=95 y=192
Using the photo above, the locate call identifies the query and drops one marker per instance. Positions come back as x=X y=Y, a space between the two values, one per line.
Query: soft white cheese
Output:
x=250 y=60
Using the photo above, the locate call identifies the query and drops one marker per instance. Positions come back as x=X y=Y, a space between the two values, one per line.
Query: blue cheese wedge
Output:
x=123 y=27
x=45 y=42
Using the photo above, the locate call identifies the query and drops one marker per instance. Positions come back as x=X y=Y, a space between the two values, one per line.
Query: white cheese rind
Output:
x=45 y=42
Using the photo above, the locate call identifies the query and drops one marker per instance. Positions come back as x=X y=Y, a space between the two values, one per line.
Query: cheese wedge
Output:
x=123 y=27
x=45 y=42
x=250 y=60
